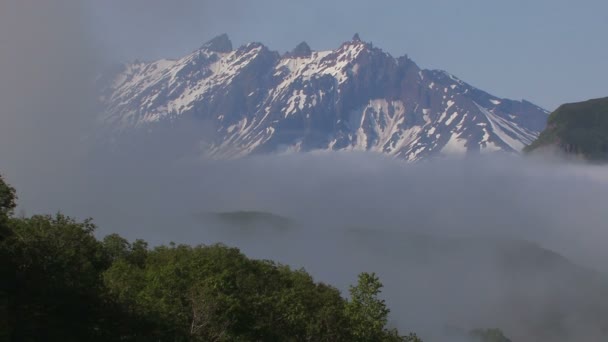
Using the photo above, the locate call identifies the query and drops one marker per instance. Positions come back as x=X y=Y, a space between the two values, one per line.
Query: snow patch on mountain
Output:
x=355 y=97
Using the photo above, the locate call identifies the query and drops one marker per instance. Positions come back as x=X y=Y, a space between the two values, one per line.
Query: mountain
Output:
x=578 y=128
x=356 y=97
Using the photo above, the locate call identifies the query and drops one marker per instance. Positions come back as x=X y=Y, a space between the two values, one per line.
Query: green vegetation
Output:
x=578 y=128
x=7 y=205
x=59 y=283
x=489 y=335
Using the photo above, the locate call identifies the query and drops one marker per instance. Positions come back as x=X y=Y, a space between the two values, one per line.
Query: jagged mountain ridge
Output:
x=356 y=97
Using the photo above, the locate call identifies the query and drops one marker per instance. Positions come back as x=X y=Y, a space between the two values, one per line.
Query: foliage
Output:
x=7 y=205
x=7 y=198
x=366 y=309
x=51 y=281
x=216 y=293
x=578 y=128
x=368 y=313
x=58 y=282
x=489 y=335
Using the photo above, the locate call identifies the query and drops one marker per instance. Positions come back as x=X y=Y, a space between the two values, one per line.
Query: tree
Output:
x=489 y=335
x=116 y=247
x=369 y=314
x=206 y=309
x=215 y=293
x=7 y=198
x=58 y=282
x=7 y=267
x=7 y=205
x=365 y=309
x=55 y=282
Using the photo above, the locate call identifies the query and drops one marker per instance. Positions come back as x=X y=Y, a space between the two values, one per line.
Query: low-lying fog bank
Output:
x=508 y=242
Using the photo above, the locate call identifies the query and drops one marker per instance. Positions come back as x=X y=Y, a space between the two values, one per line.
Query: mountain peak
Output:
x=353 y=98
x=220 y=44
x=302 y=50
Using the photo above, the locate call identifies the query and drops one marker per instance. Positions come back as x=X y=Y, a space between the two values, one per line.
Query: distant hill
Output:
x=578 y=128
x=540 y=296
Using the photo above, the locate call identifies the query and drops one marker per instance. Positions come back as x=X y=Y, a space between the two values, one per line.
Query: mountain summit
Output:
x=220 y=44
x=356 y=97
x=301 y=51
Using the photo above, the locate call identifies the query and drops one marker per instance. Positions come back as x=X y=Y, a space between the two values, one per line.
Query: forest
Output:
x=60 y=283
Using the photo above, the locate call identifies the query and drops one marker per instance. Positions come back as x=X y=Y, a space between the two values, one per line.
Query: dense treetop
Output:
x=58 y=282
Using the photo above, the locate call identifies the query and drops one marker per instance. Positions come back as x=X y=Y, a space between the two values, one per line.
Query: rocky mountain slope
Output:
x=356 y=97
x=579 y=129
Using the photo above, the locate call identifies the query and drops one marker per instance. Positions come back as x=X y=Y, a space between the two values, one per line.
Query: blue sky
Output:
x=545 y=51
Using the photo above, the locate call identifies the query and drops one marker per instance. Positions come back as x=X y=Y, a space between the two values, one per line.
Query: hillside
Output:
x=577 y=128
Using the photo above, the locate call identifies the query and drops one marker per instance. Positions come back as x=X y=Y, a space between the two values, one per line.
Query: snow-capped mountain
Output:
x=356 y=97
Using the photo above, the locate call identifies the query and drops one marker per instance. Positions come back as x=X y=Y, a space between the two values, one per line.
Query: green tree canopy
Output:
x=7 y=198
x=7 y=205
x=369 y=314
x=58 y=282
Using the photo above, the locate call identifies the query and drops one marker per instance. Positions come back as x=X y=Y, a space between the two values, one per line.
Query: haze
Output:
x=51 y=51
